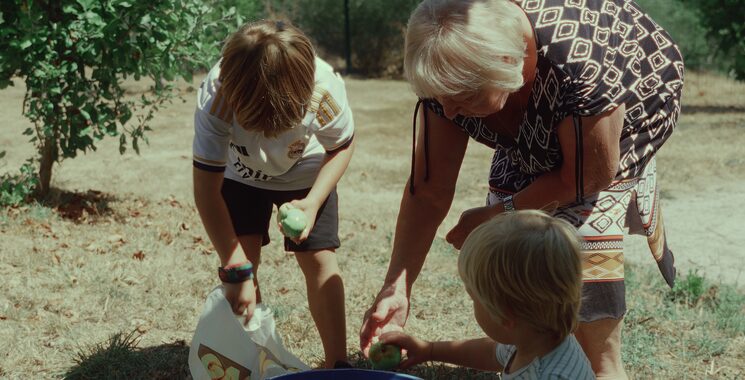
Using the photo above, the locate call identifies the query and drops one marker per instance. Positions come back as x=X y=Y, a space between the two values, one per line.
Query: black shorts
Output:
x=250 y=211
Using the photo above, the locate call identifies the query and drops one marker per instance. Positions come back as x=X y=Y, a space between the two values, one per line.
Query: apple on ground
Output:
x=385 y=356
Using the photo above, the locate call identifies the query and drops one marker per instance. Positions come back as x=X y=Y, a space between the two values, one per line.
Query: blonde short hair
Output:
x=457 y=46
x=268 y=75
x=528 y=263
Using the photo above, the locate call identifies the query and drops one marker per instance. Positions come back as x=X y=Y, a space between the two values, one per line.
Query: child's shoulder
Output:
x=567 y=361
x=329 y=95
x=210 y=100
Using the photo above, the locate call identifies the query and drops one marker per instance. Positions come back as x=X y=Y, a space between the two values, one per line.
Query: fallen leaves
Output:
x=139 y=255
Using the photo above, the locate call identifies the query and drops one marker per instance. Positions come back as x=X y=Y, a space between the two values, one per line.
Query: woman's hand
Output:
x=311 y=210
x=242 y=298
x=388 y=313
x=469 y=220
x=417 y=350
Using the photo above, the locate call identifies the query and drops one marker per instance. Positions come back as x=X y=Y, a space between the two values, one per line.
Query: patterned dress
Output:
x=594 y=55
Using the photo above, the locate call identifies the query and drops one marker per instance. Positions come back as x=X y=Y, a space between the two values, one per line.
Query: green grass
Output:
x=676 y=333
x=667 y=334
x=121 y=358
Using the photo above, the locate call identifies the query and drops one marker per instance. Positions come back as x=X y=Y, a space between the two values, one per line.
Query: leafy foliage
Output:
x=16 y=189
x=74 y=56
x=724 y=21
x=685 y=27
x=376 y=29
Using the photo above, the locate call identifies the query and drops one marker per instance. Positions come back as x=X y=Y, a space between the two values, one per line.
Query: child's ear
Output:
x=509 y=320
x=508 y=323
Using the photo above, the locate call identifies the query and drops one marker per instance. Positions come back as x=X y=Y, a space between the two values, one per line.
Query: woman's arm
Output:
x=419 y=216
x=601 y=136
x=421 y=213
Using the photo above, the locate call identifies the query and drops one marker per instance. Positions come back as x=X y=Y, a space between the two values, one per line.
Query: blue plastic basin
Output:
x=355 y=374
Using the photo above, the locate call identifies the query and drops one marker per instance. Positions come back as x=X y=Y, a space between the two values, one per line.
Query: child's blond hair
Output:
x=525 y=263
x=268 y=75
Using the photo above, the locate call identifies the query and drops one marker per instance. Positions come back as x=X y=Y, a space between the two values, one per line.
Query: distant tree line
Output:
x=73 y=56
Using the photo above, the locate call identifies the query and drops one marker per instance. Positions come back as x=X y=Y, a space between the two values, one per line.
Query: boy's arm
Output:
x=473 y=353
x=215 y=216
x=333 y=167
x=217 y=223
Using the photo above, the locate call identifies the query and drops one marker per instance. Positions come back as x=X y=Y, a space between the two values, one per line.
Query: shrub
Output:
x=74 y=55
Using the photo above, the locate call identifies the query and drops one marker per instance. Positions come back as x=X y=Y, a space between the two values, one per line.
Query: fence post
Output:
x=347 y=37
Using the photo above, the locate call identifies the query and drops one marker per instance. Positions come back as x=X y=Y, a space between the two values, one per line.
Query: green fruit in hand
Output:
x=385 y=356
x=284 y=209
x=294 y=222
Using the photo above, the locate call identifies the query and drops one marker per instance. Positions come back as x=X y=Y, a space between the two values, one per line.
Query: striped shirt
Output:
x=567 y=361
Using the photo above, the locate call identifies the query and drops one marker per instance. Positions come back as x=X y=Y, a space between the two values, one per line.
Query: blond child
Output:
x=522 y=271
x=273 y=125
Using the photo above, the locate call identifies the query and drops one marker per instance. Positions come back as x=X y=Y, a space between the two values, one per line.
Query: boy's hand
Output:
x=417 y=350
x=311 y=210
x=242 y=298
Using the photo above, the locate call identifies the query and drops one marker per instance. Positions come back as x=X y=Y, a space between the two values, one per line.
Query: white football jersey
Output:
x=289 y=161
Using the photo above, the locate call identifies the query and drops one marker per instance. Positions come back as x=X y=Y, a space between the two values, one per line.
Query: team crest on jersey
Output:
x=296 y=149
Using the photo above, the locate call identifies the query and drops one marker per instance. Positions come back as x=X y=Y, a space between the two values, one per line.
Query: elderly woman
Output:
x=575 y=97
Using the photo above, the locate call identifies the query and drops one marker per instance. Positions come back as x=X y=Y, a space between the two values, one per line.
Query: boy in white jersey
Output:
x=273 y=125
x=522 y=270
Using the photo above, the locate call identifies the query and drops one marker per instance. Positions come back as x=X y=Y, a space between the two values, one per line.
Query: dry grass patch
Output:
x=119 y=249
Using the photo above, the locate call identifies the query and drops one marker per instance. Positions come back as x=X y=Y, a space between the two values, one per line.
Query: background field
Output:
x=119 y=247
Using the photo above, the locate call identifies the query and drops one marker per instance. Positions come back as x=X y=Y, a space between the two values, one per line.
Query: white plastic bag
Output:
x=223 y=348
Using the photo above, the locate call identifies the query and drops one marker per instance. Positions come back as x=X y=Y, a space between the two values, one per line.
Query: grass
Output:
x=693 y=330
x=111 y=272
x=120 y=358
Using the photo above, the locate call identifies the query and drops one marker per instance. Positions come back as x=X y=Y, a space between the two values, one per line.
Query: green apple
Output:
x=284 y=209
x=385 y=356
x=293 y=222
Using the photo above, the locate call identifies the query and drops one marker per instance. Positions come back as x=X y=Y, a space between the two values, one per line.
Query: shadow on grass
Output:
x=78 y=206
x=120 y=358
x=688 y=109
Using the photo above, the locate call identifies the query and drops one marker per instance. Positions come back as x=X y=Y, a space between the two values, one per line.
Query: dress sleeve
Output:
x=601 y=60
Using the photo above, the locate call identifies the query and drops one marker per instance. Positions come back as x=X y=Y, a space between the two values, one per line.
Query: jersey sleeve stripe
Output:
x=342 y=146
x=209 y=168
x=220 y=108
x=209 y=162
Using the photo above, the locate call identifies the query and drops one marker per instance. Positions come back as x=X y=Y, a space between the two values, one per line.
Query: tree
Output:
x=74 y=56
x=724 y=21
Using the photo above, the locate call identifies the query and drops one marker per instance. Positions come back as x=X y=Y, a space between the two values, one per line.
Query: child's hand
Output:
x=417 y=350
x=242 y=298
x=310 y=209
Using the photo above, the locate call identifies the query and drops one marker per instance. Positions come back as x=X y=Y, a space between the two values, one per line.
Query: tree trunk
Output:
x=48 y=155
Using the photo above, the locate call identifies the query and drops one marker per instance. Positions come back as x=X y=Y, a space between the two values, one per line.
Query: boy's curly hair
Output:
x=267 y=75
x=525 y=264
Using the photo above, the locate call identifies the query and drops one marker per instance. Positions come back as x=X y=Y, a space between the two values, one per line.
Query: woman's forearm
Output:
x=473 y=353
x=419 y=217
